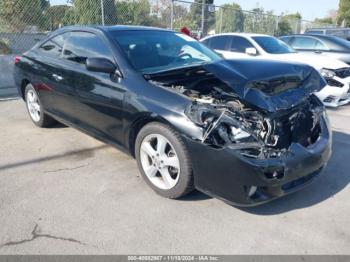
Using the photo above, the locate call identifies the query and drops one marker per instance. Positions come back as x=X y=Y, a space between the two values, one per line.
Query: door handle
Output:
x=57 y=77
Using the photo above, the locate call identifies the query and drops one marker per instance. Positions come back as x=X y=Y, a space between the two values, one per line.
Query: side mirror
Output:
x=251 y=51
x=219 y=54
x=99 y=64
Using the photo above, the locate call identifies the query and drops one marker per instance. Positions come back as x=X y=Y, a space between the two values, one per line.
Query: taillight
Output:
x=17 y=59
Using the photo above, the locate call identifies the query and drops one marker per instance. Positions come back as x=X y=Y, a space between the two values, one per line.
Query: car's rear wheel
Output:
x=163 y=160
x=35 y=109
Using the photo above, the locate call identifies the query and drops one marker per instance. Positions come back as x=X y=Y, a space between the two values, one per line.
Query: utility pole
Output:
x=202 y=24
x=172 y=15
x=102 y=13
x=221 y=11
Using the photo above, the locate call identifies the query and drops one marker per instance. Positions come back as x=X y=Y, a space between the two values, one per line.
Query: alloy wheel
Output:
x=159 y=161
x=33 y=105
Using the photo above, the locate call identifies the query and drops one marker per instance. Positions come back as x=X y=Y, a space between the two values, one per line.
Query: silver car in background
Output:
x=327 y=45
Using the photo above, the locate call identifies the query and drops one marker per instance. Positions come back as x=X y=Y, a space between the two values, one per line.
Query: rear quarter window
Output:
x=308 y=43
x=218 y=42
x=82 y=45
x=53 y=47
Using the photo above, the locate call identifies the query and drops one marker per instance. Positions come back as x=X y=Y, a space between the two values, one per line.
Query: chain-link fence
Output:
x=204 y=19
x=24 y=22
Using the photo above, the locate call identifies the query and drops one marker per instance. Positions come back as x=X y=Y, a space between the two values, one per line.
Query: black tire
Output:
x=185 y=183
x=44 y=120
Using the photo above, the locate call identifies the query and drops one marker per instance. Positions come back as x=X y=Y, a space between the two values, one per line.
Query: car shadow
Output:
x=195 y=196
x=335 y=178
x=82 y=153
x=59 y=125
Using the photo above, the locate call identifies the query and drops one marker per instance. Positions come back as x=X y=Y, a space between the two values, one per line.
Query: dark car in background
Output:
x=339 y=32
x=243 y=131
x=320 y=44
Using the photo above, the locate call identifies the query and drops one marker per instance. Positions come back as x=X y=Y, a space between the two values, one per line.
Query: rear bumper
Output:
x=228 y=175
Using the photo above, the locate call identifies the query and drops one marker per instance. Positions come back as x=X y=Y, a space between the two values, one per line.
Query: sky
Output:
x=309 y=9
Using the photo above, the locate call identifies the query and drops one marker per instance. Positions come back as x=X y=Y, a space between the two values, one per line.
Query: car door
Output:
x=56 y=95
x=99 y=96
x=237 y=47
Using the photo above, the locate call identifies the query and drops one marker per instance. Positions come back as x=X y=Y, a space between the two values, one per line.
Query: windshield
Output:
x=273 y=45
x=154 y=51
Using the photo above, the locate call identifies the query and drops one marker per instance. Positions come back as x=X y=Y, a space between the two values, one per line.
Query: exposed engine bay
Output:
x=229 y=121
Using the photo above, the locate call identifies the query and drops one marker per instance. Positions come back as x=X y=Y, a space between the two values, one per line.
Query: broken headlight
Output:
x=221 y=127
x=327 y=73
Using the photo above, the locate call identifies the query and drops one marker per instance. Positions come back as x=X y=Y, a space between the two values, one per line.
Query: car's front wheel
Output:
x=163 y=160
x=35 y=109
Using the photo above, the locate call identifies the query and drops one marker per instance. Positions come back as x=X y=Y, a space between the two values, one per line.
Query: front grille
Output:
x=329 y=99
x=342 y=72
x=333 y=82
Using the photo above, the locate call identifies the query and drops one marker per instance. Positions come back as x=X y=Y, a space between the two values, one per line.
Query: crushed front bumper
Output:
x=334 y=96
x=226 y=174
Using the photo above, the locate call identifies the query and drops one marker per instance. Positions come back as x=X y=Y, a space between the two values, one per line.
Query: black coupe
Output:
x=245 y=131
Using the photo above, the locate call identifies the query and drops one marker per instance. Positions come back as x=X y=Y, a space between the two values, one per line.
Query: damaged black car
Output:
x=243 y=131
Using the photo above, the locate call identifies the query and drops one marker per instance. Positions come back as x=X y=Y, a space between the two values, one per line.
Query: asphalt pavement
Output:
x=62 y=192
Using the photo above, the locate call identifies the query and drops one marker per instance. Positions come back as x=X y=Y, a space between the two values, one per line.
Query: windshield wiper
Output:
x=173 y=70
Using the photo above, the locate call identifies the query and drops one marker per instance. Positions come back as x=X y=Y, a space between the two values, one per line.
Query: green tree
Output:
x=229 y=18
x=196 y=15
x=182 y=18
x=110 y=15
x=17 y=15
x=283 y=27
x=4 y=47
x=259 y=21
x=324 y=21
x=161 y=11
x=57 y=16
x=88 y=11
x=44 y=4
x=343 y=16
x=296 y=16
x=294 y=21
x=136 y=12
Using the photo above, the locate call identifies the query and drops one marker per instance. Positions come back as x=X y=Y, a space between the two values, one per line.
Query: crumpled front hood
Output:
x=269 y=85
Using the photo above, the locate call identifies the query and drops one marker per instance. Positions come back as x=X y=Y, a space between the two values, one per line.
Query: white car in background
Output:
x=258 y=46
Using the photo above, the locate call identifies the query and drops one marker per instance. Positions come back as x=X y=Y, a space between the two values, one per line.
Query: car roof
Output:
x=239 y=34
x=110 y=28
x=328 y=28
x=325 y=37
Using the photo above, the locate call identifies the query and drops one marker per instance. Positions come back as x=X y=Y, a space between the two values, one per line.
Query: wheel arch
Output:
x=137 y=125
x=24 y=83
